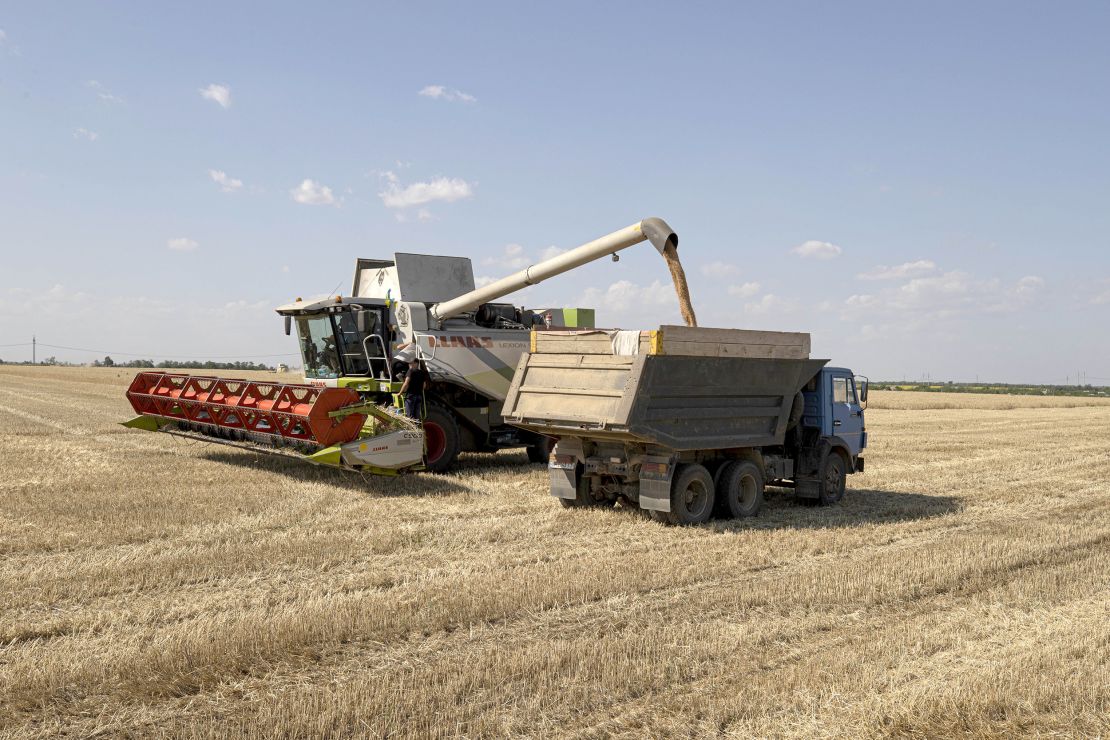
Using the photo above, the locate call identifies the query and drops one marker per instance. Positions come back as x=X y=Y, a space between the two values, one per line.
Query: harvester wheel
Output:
x=740 y=492
x=540 y=451
x=692 y=495
x=441 y=438
x=832 y=479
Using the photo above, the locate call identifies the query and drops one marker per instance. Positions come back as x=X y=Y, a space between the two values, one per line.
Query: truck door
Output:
x=847 y=414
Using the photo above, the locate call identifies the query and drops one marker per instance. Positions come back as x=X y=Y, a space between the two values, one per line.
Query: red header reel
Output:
x=297 y=413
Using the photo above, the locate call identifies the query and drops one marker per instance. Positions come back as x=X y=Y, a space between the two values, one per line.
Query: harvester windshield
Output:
x=318 y=347
x=343 y=341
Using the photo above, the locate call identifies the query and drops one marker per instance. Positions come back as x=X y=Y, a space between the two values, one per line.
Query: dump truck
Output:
x=686 y=422
x=469 y=340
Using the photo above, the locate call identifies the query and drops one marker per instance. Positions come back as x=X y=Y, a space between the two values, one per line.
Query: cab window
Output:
x=852 y=397
x=840 y=390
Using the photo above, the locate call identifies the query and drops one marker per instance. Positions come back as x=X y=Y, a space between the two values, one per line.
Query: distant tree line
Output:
x=183 y=364
x=1012 y=389
x=166 y=364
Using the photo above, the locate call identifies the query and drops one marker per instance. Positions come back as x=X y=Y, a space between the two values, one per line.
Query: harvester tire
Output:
x=540 y=451
x=740 y=491
x=692 y=495
x=441 y=438
x=832 y=479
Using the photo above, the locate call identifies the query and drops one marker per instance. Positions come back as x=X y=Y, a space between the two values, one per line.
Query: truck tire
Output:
x=583 y=494
x=441 y=437
x=692 y=495
x=540 y=451
x=740 y=492
x=832 y=479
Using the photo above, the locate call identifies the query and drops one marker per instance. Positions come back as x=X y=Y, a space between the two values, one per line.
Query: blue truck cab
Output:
x=832 y=425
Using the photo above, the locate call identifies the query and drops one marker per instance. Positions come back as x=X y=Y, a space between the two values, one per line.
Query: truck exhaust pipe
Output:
x=655 y=230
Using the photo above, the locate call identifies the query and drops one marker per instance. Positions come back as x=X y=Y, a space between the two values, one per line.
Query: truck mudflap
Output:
x=859 y=465
x=563 y=467
x=655 y=482
x=564 y=482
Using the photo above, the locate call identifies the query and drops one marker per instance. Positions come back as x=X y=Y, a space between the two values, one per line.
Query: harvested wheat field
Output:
x=155 y=587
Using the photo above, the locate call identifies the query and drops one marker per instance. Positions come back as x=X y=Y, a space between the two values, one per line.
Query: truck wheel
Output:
x=584 y=496
x=832 y=479
x=539 y=452
x=441 y=438
x=692 y=495
x=740 y=492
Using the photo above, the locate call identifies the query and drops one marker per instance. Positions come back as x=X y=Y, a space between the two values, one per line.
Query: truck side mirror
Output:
x=863 y=391
x=288 y=325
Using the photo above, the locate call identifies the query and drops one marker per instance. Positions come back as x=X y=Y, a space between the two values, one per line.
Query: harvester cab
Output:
x=341 y=338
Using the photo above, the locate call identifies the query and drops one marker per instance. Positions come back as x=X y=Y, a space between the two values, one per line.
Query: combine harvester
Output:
x=344 y=414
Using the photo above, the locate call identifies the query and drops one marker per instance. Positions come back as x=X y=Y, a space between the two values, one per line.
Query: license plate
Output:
x=562 y=462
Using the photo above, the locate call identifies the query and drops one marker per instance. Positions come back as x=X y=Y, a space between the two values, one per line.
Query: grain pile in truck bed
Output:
x=678 y=340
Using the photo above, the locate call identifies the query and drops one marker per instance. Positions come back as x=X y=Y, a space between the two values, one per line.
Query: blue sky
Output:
x=923 y=188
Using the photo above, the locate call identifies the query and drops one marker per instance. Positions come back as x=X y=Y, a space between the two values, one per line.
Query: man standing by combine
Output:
x=413 y=389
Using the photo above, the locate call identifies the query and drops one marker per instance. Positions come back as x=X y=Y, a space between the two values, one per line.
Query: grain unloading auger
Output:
x=344 y=414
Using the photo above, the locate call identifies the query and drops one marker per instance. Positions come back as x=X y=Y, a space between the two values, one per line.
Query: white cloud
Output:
x=747 y=290
x=84 y=133
x=513 y=257
x=1103 y=298
x=312 y=193
x=904 y=270
x=443 y=189
x=817 y=250
x=3 y=36
x=102 y=92
x=1029 y=285
x=218 y=93
x=57 y=300
x=227 y=184
x=950 y=295
x=768 y=304
x=440 y=92
x=424 y=215
x=550 y=252
x=861 y=301
x=624 y=295
x=181 y=244
x=720 y=270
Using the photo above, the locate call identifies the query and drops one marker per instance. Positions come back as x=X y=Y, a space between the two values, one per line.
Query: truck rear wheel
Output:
x=832 y=479
x=441 y=438
x=740 y=491
x=692 y=495
x=584 y=495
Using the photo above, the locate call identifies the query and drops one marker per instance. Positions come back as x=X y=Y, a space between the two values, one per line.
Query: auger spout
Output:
x=655 y=230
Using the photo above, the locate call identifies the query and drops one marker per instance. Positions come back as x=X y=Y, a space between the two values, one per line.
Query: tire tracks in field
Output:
x=561 y=618
x=565 y=548
x=820 y=639
x=565 y=622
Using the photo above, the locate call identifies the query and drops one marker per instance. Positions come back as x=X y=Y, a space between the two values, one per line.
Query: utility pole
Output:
x=34 y=347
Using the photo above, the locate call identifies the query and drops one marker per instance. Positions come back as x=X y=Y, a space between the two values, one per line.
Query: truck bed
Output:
x=679 y=387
